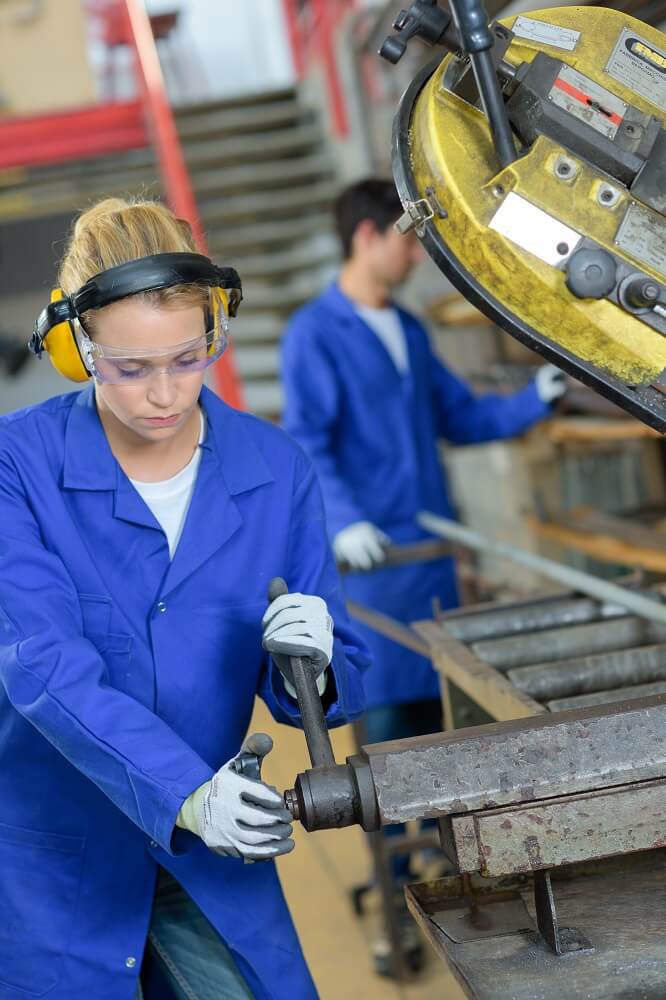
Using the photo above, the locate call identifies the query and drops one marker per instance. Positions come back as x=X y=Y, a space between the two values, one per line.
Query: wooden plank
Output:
x=561 y=430
x=484 y=685
x=602 y=546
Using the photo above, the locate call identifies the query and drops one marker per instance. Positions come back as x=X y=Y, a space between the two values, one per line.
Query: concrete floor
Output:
x=317 y=877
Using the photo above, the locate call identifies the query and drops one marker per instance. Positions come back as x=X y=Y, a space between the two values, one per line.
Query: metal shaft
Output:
x=309 y=701
x=544 y=681
x=572 y=578
x=607 y=697
x=528 y=616
x=565 y=643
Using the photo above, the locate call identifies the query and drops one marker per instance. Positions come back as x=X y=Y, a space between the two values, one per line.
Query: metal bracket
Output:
x=415 y=216
x=561 y=940
x=417 y=213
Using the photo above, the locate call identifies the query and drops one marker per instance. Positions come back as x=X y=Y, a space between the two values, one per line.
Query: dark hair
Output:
x=373 y=199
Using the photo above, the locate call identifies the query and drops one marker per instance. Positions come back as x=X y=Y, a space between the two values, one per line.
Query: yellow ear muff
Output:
x=62 y=348
x=218 y=296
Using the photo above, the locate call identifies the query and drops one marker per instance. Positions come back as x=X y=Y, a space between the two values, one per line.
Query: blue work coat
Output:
x=372 y=434
x=127 y=680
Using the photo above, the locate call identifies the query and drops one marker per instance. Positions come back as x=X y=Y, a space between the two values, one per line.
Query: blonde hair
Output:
x=118 y=230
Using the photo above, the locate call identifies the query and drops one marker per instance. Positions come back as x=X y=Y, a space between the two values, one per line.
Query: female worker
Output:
x=141 y=521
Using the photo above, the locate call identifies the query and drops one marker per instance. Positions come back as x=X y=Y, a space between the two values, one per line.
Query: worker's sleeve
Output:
x=311 y=408
x=463 y=418
x=310 y=569
x=56 y=679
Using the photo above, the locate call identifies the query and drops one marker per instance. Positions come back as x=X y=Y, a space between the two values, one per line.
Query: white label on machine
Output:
x=534 y=230
x=585 y=99
x=546 y=34
x=639 y=65
x=642 y=234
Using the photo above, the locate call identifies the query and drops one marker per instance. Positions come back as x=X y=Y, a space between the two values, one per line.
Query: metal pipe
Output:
x=572 y=578
x=515 y=619
x=307 y=696
x=545 y=681
x=607 y=697
x=564 y=643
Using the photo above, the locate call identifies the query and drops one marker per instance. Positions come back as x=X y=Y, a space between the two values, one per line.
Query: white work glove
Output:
x=299 y=625
x=360 y=545
x=551 y=383
x=238 y=816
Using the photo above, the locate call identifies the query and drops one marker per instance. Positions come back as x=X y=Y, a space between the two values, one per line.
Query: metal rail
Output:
x=566 y=575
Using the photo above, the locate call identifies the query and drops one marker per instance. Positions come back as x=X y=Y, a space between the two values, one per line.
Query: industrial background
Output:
x=249 y=118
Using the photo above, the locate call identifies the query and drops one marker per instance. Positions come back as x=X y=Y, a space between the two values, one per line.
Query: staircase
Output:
x=264 y=182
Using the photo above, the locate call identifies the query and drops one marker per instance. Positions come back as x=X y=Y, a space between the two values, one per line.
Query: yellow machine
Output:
x=531 y=160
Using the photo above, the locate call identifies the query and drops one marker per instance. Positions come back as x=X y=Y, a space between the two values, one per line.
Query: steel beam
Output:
x=509 y=763
x=564 y=643
x=514 y=619
x=546 y=681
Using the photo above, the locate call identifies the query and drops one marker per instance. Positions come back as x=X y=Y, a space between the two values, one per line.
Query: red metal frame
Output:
x=311 y=26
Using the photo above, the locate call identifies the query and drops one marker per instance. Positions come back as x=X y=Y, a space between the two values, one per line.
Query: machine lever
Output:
x=309 y=701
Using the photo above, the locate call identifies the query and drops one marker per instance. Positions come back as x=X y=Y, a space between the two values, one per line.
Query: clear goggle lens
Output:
x=120 y=366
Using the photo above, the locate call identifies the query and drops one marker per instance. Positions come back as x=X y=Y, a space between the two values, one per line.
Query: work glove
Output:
x=299 y=625
x=551 y=383
x=361 y=545
x=238 y=816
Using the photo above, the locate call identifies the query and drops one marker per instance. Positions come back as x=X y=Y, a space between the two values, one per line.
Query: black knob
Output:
x=591 y=274
x=424 y=20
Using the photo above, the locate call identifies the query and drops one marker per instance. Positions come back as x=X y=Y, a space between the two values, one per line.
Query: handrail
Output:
x=311 y=26
x=172 y=166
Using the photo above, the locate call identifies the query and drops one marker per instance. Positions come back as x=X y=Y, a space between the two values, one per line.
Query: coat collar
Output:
x=335 y=300
x=89 y=463
x=231 y=465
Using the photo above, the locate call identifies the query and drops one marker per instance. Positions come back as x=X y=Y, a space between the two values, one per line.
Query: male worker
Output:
x=368 y=400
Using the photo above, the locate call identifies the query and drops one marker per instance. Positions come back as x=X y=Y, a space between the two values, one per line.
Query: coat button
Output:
x=130 y=962
x=161 y=607
x=153 y=843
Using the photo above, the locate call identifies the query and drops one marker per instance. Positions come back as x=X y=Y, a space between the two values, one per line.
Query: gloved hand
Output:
x=237 y=816
x=551 y=383
x=360 y=545
x=299 y=625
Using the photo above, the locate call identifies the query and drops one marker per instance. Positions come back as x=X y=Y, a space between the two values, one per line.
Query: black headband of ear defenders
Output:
x=147 y=274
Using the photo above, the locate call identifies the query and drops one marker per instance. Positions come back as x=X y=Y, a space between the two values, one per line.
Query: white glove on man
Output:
x=360 y=545
x=299 y=625
x=551 y=383
x=237 y=816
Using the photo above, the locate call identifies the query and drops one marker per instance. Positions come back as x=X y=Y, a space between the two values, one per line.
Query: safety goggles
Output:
x=123 y=366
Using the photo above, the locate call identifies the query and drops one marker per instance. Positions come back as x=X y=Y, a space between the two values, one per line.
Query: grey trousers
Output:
x=186 y=952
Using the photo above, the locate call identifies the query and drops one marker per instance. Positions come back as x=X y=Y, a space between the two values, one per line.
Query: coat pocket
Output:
x=40 y=874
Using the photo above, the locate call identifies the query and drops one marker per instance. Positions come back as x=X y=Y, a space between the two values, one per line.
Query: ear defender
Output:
x=54 y=333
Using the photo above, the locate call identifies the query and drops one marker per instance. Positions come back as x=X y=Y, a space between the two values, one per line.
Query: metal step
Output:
x=319 y=252
x=266 y=399
x=224 y=242
x=280 y=174
x=238 y=121
x=283 y=203
x=253 y=329
x=242 y=101
x=257 y=362
x=281 y=298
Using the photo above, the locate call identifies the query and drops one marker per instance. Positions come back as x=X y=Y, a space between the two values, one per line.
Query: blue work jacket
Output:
x=127 y=680
x=372 y=434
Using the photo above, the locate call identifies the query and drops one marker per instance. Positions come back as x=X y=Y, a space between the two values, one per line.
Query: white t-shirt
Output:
x=387 y=324
x=169 y=500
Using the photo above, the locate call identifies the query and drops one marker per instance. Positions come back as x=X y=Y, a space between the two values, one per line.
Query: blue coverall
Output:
x=372 y=435
x=127 y=680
